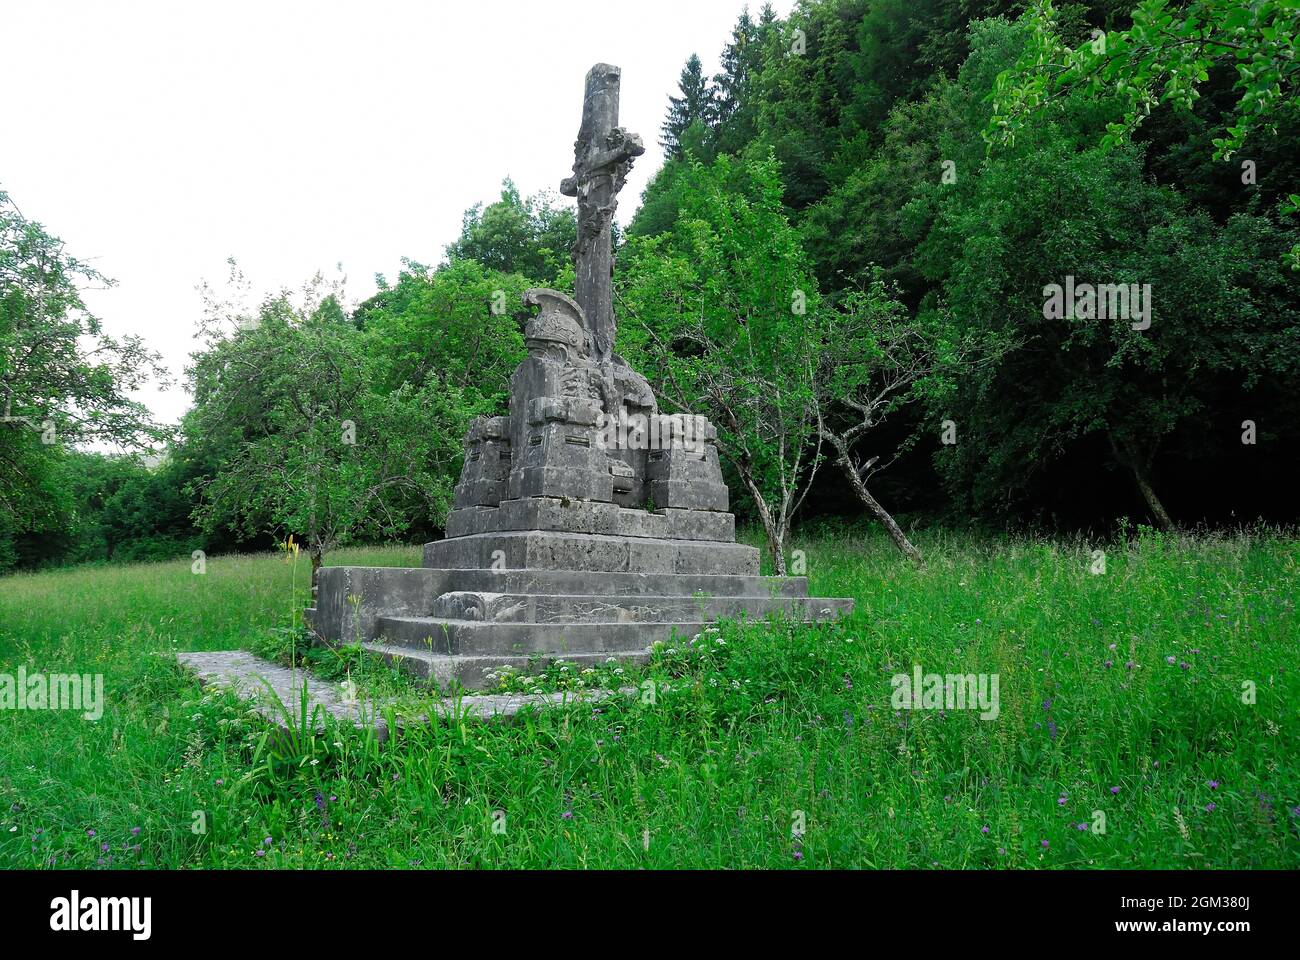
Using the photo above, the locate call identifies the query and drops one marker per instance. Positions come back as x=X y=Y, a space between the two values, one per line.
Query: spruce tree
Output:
x=695 y=104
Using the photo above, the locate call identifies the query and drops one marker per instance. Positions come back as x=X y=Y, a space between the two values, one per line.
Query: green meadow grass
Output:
x=753 y=731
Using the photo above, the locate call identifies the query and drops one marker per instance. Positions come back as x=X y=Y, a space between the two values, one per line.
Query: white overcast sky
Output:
x=157 y=139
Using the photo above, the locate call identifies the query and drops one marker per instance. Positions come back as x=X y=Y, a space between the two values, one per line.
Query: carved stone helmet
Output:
x=559 y=320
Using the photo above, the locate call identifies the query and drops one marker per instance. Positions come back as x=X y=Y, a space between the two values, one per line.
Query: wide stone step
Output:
x=476 y=638
x=574 y=582
x=492 y=607
x=475 y=672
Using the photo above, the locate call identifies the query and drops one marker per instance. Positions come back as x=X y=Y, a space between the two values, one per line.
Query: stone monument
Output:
x=586 y=525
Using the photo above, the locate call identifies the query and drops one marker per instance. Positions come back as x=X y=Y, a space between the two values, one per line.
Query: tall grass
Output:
x=753 y=731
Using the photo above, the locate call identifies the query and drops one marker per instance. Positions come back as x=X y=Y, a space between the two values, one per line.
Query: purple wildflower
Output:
x=1209 y=807
x=1114 y=790
x=1212 y=784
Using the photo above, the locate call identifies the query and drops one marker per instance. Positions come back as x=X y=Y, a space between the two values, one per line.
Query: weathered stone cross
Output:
x=603 y=154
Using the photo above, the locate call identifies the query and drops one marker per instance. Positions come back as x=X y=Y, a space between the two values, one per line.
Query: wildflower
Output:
x=1044 y=844
x=268 y=841
x=798 y=855
x=567 y=815
x=1212 y=784
x=984 y=829
x=1171 y=660
x=1060 y=802
x=135 y=831
x=1112 y=646
x=1109 y=664
x=1114 y=790
x=261 y=853
x=90 y=833
x=1209 y=807
x=1083 y=826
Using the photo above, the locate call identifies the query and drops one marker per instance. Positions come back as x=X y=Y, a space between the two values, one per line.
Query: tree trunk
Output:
x=860 y=488
x=316 y=558
x=1128 y=455
x=1162 y=518
x=775 y=538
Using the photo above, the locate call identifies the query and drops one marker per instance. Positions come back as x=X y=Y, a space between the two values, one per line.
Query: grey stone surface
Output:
x=556 y=550
x=276 y=693
x=476 y=672
x=586 y=525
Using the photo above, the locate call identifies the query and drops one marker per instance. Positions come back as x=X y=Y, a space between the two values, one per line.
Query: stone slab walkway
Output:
x=268 y=686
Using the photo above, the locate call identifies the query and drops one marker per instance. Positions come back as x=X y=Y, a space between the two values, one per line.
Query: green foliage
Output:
x=1059 y=204
x=62 y=379
x=730 y=723
x=315 y=448
x=1164 y=57
x=721 y=316
x=694 y=106
x=455 y=329
x=532 y=237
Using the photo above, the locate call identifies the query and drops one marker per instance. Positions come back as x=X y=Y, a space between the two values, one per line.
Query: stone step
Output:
x=492 y=607
x=476 y=638
x=276 y=693
x=573 y=582
x=472 y=672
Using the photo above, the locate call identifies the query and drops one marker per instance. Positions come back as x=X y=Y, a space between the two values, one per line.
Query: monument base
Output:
x=460 y=624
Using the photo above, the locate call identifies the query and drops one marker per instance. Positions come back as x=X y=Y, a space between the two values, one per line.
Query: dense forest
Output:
x=851 y=261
